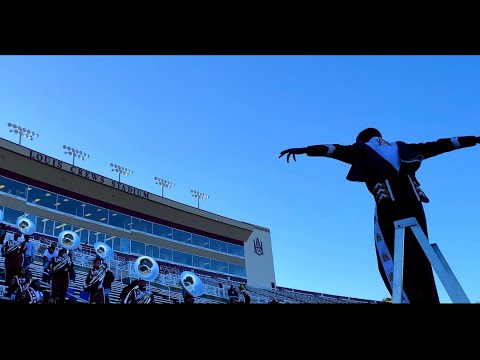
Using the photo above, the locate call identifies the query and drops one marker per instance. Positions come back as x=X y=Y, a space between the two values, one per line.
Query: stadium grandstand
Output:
x=57 y=196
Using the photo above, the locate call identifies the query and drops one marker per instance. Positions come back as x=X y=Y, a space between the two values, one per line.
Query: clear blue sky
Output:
x=218 y=123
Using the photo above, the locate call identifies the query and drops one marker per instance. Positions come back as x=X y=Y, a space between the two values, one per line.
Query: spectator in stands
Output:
x=273 y=301
x=13 y=252
x=246 y=294
x=48 y=255
x=32 y=294
x=233 y=295
x=60 y=268
x=29 y=254
x=221 y=290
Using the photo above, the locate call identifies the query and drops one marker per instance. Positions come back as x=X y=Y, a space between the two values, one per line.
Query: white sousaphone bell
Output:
x=192 y=283
x=68 y=240
x=25 y=225
x=146 y=268
x=103 y=250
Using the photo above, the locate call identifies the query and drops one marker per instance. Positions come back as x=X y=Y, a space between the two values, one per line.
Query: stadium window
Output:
x=163 y=231
x=49 y=227
x=40 y=224
x=182 y=258
x=13 y=187
x=201 y=262
x=42 y=198
x=141 y=225
x=235 y=249
x=69 y=206
x=101 y=237
x=182 y=236
x=58 y=227
x=95 y=213
x=152 y=250
x=92 y=237
x=116 y=244
x=166 y=254
x=237 y=270
x=119 y=220
x=11 y=215
x=199 y=240
x=137 y=247
x=218 y=245
x=219 y=266
x=125 y=245
x=84 y=234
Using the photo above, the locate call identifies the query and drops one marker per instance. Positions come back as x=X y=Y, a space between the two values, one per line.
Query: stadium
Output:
x=58 y=196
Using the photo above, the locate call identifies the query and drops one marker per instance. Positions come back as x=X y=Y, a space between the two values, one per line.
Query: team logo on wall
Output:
x=257 y=244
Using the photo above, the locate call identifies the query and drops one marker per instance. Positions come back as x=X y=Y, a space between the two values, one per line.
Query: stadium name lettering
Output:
x=87 y=174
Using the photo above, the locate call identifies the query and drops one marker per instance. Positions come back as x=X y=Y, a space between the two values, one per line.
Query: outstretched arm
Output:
x=345 y=153
x=434 y=148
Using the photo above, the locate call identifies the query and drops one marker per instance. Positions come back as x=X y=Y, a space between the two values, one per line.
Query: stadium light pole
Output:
x=121 y=170
x=199 y=196
x=163 y=183
x=21 y=131
x=75 y=153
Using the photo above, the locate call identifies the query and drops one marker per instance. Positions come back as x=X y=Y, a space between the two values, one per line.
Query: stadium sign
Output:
x=87 y=174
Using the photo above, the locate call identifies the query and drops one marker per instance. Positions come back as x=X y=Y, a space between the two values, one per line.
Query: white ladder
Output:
x=434 y=255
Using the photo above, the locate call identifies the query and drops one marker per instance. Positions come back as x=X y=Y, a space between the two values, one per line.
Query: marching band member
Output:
x=187 y=297
x=140 y=295
x=94 y=282
x=13 y=251
x=3 y=233
x=32 y=294
x=60 y=267
x=107 y=284
x=388 y=169
x=126 y=291
x=19 y=283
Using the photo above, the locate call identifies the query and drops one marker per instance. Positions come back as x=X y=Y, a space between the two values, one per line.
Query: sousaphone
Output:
x=68 y=240
x=103 y=250
x=146 y=268
x=25 y=225
x=192 y=283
